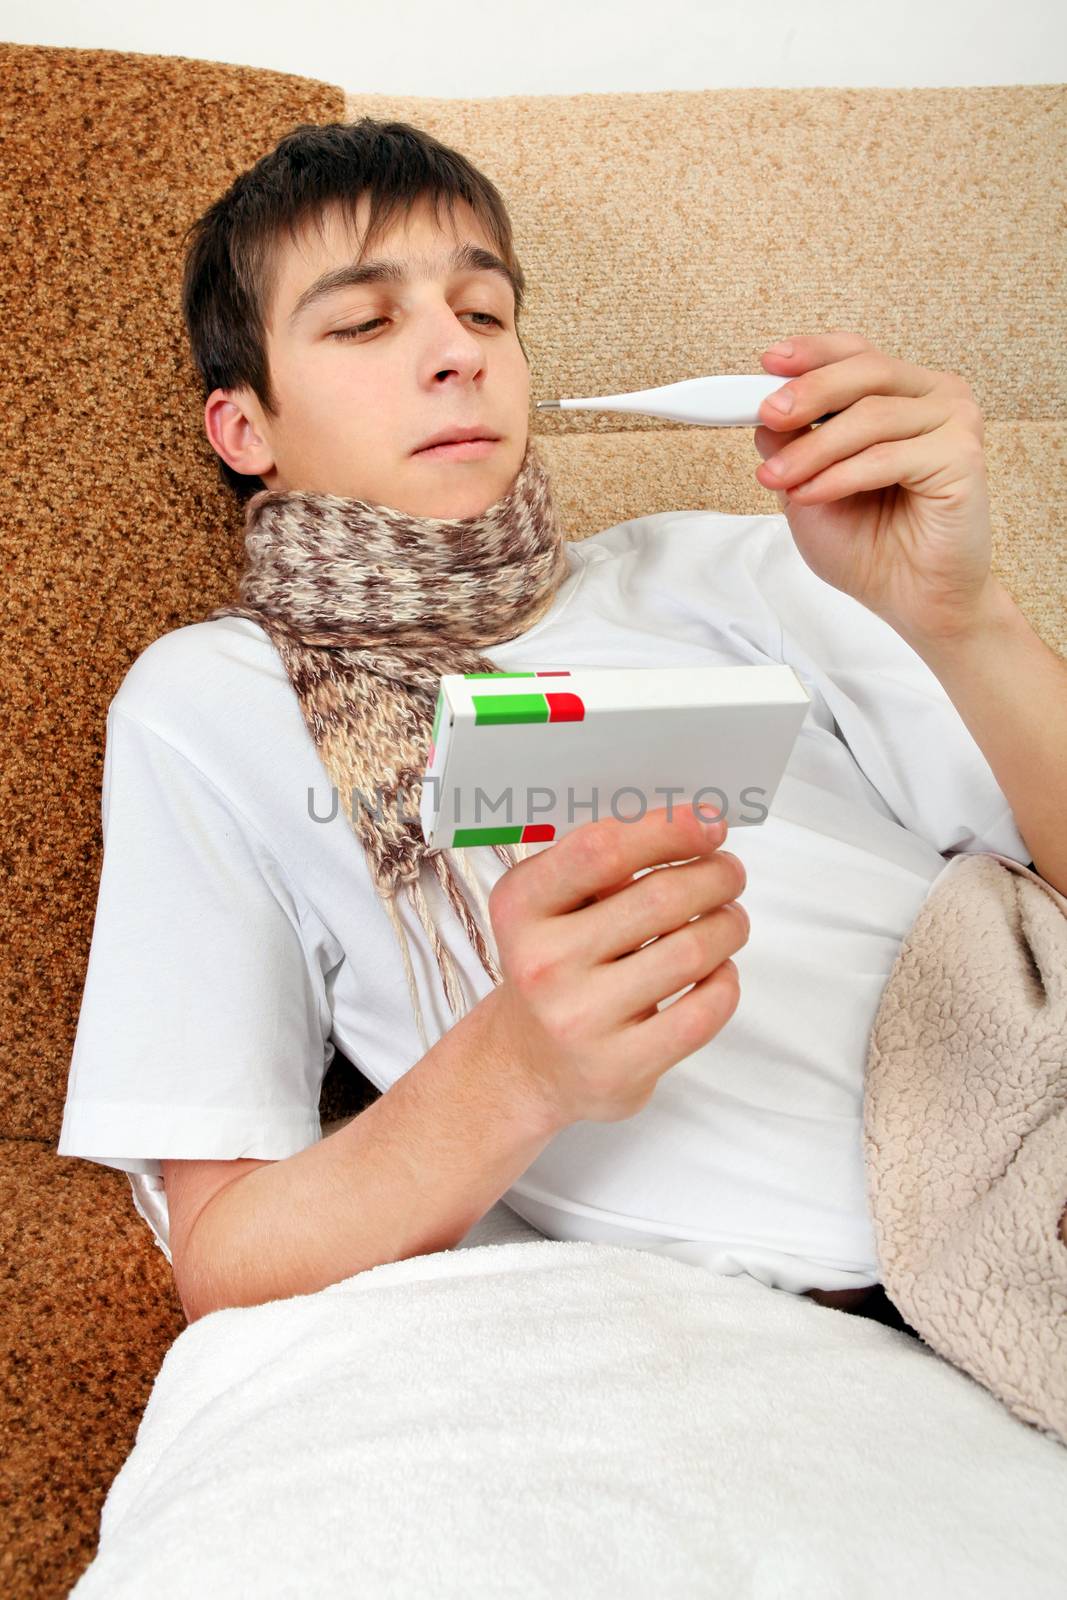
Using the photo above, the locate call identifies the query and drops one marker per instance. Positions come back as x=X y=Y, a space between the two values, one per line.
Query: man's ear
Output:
x=233 y=435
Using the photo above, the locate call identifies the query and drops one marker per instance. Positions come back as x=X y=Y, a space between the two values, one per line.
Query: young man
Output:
x=238 y=942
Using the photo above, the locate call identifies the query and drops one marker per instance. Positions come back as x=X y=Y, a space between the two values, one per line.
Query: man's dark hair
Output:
x=231 y=262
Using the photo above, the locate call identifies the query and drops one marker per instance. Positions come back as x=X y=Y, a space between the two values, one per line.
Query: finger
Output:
x=816 y=349
x=683 y=956
x=605 y=894
x=932 y=464
x=623 y=883
x=874 y=418
x=825 y=389
x=689 y=1021
x=655 y=905
x=605 y=852
x=769 y=442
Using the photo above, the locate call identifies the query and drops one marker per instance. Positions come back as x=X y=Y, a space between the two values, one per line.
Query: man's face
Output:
x=354 y=410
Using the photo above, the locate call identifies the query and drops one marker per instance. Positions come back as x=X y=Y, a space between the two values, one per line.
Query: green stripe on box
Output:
x=493 y=709
x=500 y=674
x=467 y=836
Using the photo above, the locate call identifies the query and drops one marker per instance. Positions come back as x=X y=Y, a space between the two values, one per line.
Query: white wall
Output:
x=459 y=48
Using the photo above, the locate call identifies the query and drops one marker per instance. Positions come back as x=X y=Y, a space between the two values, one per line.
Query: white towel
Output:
x=570 y=1419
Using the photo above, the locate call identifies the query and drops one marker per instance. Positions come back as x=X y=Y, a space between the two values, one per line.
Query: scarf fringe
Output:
x=461 y=860
x=388 y=899
x=446 y=962
x=449 y=866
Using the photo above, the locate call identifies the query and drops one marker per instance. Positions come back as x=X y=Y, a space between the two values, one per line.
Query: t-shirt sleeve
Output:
x=895 y=716
x=204 y=1028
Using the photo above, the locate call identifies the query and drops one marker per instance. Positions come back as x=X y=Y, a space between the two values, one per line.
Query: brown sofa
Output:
x=663 y=235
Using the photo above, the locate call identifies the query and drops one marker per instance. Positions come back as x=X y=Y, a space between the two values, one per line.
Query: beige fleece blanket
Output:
x=965 y=1132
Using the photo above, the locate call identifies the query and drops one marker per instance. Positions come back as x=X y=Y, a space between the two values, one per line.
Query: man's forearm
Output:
x=1011 y=691
x=409 y=1175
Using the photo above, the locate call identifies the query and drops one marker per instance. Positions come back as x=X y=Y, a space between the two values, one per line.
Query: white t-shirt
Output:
x=237 y=939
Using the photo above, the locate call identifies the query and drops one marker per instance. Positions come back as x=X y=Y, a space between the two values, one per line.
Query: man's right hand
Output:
x=581 y=1029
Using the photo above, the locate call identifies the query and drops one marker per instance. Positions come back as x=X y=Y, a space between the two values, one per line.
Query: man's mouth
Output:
x=460 y=450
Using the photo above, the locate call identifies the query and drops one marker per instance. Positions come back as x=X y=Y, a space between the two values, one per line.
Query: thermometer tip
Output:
x=548 y=405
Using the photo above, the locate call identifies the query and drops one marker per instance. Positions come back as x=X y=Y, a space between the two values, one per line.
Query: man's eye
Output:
x=364 y=327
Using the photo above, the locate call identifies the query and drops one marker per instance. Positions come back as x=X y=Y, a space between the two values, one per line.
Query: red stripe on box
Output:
x=537 y=832
x=565 y=708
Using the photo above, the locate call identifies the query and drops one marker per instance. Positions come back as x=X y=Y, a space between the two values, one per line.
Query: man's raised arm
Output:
x=1011 y=691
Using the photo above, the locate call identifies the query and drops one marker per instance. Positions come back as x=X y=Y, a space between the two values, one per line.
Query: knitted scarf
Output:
x=367 y=606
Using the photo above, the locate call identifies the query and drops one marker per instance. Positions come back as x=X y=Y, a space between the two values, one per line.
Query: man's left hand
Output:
x=887 y=500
